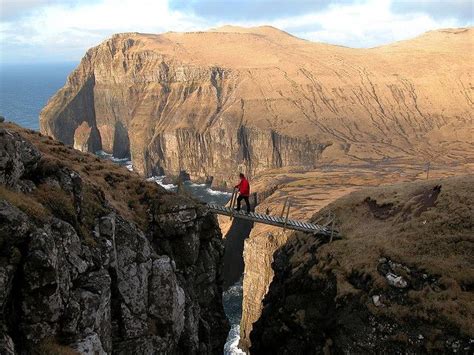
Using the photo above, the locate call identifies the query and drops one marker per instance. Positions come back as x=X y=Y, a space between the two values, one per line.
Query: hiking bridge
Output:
x=282 y=221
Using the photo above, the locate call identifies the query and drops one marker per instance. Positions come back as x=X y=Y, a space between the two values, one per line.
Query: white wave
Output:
x=231 y=347
x=234 y=290
x=103 y=154
x=217 y=192
x=193 y=184
x=159 y=181
x=232 y=299
x=120 y=161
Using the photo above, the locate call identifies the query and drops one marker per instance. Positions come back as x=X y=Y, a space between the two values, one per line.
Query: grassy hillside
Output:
x=399 y=277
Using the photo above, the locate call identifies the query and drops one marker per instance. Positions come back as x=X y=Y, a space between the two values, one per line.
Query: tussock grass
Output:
x=124 y=191
x=59 y=202
x=25 y=203
x=414 y=225
x=50 y=346
x=105 y=187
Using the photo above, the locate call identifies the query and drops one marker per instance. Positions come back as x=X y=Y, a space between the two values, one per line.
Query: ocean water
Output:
x=25 y=90
x=232 y=300
x=201 y=191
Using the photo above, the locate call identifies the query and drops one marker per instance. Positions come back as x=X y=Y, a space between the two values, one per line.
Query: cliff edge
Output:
x=399 y=279
x=95 y=260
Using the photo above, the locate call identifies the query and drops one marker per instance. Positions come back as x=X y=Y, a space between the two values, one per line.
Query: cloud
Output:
x=244 y=10
x=11 y=9
x=362 y=24
x=73 y=27
x=55 y=30
x=462 y=10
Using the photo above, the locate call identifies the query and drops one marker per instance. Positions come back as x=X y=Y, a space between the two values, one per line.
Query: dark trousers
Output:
x=247 y=203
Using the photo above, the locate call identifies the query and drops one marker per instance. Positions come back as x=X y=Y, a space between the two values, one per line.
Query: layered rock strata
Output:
x=213 y=103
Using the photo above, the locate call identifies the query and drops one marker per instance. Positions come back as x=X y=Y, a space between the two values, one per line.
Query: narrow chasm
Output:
x=235 y=232
x=233 y=270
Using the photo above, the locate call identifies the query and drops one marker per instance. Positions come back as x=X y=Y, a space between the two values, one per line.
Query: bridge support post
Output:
x=233 y=200
x=284 y=206
x=287 y=213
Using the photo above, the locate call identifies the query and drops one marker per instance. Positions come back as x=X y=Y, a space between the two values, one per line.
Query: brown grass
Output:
x=406 y=224
x=57 y=201
x=104 y=183
x=50 y=346
x=25 y=203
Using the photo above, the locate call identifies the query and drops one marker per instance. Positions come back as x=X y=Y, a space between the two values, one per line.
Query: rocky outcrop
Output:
x=258 y=258
x=397 y=280
x=95 y=260
x=231 y=99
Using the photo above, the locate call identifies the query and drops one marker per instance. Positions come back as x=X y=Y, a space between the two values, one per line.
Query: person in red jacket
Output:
x=244 y=192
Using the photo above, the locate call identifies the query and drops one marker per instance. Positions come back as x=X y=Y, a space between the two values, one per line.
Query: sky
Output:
x=62 y=30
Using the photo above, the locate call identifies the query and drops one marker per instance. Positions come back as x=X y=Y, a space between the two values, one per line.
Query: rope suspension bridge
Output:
x=282 y=221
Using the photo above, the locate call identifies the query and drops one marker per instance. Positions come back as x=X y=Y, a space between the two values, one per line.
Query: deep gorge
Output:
x=285 y=107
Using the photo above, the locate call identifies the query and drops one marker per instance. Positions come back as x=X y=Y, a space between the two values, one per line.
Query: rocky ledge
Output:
x=399 y=279
x=95 y=260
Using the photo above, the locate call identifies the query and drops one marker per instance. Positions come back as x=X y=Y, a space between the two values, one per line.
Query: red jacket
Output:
x=244 y=187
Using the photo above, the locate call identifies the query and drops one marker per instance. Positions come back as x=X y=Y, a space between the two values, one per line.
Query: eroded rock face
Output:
x=88 y=277
x=17 y=157
x=258 y=98
x=258 y=259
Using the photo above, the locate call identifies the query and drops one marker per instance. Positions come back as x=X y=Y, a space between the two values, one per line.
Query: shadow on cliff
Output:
x=234 y=249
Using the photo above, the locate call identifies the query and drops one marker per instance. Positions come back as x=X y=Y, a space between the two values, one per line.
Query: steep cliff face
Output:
x=236 y=99
x=398 y=280
x=258 y=259
x=95 y=260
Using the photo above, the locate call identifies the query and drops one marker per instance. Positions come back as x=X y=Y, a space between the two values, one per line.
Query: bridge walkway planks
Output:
x=271 y=220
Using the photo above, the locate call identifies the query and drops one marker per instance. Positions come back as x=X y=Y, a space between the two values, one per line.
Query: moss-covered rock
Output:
x=95 y=260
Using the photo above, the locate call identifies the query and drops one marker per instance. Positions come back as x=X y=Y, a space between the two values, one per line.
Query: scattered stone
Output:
x=2 y=119
x=397 y=266
x=396 y=281
x=90 y=345
x=376 y=300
